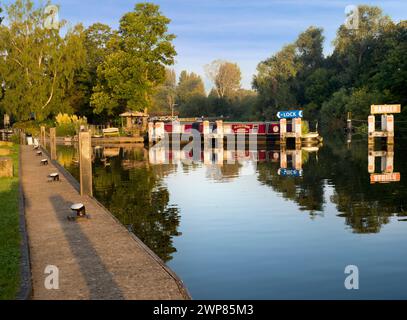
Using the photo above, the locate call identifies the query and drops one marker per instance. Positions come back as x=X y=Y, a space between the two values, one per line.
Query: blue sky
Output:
x=244 y=32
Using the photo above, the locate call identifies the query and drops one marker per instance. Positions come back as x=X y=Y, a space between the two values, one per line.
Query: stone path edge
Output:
x=71 y=179
x=25 y=291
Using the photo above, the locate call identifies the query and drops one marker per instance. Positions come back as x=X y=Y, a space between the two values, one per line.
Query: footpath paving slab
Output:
x=97 y=258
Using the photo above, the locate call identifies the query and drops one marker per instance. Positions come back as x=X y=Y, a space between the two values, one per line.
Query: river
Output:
x=249 y=230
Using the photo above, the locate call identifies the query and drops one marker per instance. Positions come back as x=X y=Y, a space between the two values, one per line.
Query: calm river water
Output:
x=247 y=230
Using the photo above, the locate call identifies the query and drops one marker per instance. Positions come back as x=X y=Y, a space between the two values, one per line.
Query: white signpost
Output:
x=296 y=117
x=387 y=131
x=387 y=122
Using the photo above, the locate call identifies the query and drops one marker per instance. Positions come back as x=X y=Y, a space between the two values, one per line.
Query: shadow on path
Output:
x=99 y=280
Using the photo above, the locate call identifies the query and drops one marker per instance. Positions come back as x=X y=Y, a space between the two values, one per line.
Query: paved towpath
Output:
x=96 y=258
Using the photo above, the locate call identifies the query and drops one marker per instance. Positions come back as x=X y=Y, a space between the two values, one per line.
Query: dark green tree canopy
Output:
x=39 y=64
x=140 y=51
x=368 y=66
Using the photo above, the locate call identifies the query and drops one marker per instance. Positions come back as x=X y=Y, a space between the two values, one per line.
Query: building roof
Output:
x=133 y=114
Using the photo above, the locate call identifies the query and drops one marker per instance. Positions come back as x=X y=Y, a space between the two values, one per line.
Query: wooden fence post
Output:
x=283 y=131
x=85 y=163
x=53 y=143
x=42 y=137
x=390 y=128
x=298 y=130
x=151 y=137
x=371 y=129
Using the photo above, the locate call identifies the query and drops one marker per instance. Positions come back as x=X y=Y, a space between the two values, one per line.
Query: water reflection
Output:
x=132 y=183
x=386 y=158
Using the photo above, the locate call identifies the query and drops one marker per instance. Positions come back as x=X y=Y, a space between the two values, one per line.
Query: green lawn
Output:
x=9 y=232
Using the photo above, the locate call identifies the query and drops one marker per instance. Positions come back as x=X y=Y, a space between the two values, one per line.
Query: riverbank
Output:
x=96 y=258
x=10 y=237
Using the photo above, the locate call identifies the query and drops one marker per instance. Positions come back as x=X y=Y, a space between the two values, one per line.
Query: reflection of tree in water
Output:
x=307 y=191
x=365 y=207
x=140 y=201
x=224 y=173
x=68 y=158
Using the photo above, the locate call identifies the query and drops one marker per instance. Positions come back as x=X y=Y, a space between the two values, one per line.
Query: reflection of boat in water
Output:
x=312 y=138
x=111 y=152
x=133 y=164
x=105 y=162
x=311 y=149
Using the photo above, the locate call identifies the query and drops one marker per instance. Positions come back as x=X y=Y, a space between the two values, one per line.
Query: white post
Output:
x=159 y=130
x=219 y=156
x=298 y=159
x=219 y=134
x=206 y=128
x=389 y=167
x=283 y=158
x=85 y=163
x=384 y=122
x=371 y=160
x=390 y=129
x=371 y=128
x=283 y=131
x=298 y=130
x=151 y=137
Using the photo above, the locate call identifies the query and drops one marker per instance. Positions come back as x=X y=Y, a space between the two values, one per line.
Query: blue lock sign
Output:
x=290 y=173
x=290 y=114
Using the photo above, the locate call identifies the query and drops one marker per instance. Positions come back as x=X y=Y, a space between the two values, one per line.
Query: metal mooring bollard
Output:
x=44 y=162
x=53 y=177
x=80 y=211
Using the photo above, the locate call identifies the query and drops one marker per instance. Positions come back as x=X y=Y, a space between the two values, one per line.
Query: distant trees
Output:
x=140 y=50
x=190 y=85
x=164 y=100
x=273 y=80
x=38 y=65
x=368 y=66
x=226 y=77
x=96 y=38
x=99 y=72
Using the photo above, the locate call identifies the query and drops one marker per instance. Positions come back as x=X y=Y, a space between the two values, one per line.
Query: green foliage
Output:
x=335 y=107
x=40 y=64
x=190 y=85
x=164 y=99
x=67 y=125
x=274 y=79
x=9 y=233
x=140 y=50
x=29 y=127
x=368 y=66
x=96 y=38
x=226 y=77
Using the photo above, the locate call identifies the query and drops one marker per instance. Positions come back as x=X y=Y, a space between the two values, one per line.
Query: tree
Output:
x=310 y=48
x=335 y=108
x=274 y=75
x=226 y=77
x=388 y=71
x=165 y=96
x=1 y=18
x=38 y=64
x=96 y=39
x=136 y=65
x=189 y=85
x=354 y=42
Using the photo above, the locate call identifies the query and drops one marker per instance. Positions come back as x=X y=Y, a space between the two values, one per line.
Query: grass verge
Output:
x=10 y=238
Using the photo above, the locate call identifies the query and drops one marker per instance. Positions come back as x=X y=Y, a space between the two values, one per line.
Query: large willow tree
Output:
x=38 y=64
x=140 y=51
